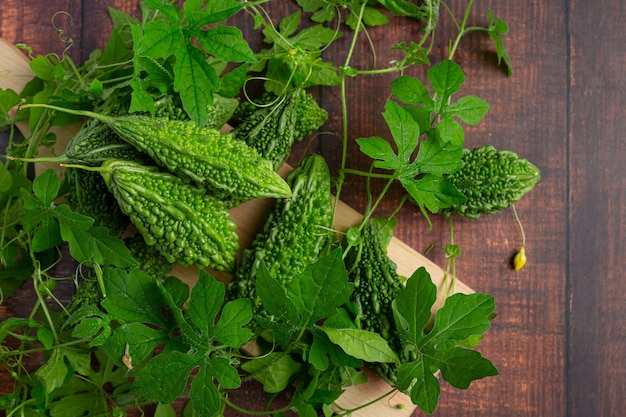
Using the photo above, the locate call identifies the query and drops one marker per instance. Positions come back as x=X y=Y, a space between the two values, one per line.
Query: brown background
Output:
x=559 y=341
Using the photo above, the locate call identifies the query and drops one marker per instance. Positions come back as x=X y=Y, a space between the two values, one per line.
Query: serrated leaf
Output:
x=433 y=192
x=379 y=149
x=201 y=12
x=321 y=288
x=446 y=78
x=423 y=387
x=437 y=157
x=46 y=186
x=196 y=81
x=140 y=338
x=404 y=130
x=412 y=306
x=227 y=44
x=47 y=236
x=410 y=90
x=165 y=376
x=450 y=130
x=362 y=344
x=470 y=109
x=221 y=369
x=207 y=297
x=460 y=367
x=462 y=316
x=132 y=297
x=274 y=298
x=274 y=370
x=230 y=328
x=88 y=243
x=159 y=40
x=204 y=394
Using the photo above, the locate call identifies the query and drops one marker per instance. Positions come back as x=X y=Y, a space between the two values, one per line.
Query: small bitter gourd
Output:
x=294 y=235
x=272 y=129
x=491 y=180
x=149 y=259
x=205 y=156
x=184 y=223
x=376 y=285
x=89 y=195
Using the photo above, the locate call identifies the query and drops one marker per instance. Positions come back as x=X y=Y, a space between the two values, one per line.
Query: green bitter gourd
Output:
x=491 y=180
x=295 y=233
x=184 y=223
x=272 y=129
x=205 y=156
x=376 y=285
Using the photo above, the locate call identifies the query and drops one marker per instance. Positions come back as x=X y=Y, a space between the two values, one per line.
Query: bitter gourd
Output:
x=184 y=223
x=491 y=180
x=203 y=155
x=89 y=195
x=376 y=285
x=272 y=129
x=149 y=259
x=294 y=235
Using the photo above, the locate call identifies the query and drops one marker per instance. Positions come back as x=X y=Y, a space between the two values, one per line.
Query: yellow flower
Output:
x=520 y=259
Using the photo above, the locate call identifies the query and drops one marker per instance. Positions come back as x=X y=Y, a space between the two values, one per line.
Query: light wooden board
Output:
x=249 y=217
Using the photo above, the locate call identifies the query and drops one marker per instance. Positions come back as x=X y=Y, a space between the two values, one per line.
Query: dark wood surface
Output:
x=559 y=341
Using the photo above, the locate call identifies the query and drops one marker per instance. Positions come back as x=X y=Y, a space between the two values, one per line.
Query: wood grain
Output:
x=560 y=339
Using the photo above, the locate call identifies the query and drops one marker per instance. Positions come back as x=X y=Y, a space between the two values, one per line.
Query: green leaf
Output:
x=462 y=316
x=410 y=90
x=230 y=328
x=223 y=371
x=88 y=243
x=321 y=288
x=417 y=379
x=159 y=40
x=53 y=373
x=437 y=157
x=433 y=192
x=8 y=99
x=227 y=44
x=274 y=298
x=47 y=236
x=378 y=148
x=201 y=12
x=362 y=344
x=196 y=81
x=165 y=376
x=46 y=186
x=460 y=367
x=404 y=129
x=42 y=67
x=412 y=305
x=470 y=109
x=204 y=394
x=449 y=130
x=497 y=28
x=446 y=78
x=273 y=370
x=170 y=12
x=141 y=340
x=132 y=297
x=207 y=297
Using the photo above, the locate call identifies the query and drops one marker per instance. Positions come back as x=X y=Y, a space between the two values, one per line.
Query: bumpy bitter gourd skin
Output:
x=272 y=130
x=203 y=155
x=183 y=222
x=491 y=180
x=376 y=285
x=295 y=233
x=90 y=196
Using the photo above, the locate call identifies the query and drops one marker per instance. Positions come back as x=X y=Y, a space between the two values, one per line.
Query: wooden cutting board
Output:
x=15 y=72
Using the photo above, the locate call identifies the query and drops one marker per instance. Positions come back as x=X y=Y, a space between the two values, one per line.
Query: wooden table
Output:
x=559 y=341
